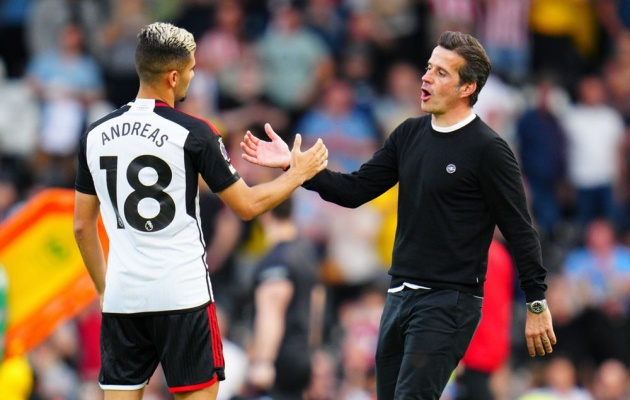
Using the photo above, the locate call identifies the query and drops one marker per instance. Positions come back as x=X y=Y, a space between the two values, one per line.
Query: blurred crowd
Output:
x=349 y=71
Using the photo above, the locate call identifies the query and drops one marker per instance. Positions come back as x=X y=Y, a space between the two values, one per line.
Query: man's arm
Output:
x=271 y=301
x=86 y=212
x=374 y=178
x=503 y=187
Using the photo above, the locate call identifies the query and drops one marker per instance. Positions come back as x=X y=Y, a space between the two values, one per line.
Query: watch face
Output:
x=537 y=307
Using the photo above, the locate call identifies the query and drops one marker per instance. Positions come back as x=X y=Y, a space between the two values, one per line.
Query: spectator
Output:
x=46 y=19
x=328 y=21
x=453 y=15
x=500 y=104
x=616 y=74
x=611 y=381
x=349 y=134
x=55 y=378
x=505 y=35
x=221 y=47
x=541 y=144
x=366 y=33
x=599 y=275
x=560 y=382
x=347 y=236
x=118 y=44
x=357 y=69
x=67 y=82
x=600 y=271
x=595 y=132
x=400 y=99
x=283 y=288
x=359 y=319
x=19 y=112
x=295 y=61
x=324 y=380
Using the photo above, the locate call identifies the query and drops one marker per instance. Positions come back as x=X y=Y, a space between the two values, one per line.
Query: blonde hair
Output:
x=162 y=47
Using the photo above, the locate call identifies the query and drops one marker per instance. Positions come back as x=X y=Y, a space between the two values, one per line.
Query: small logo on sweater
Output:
x=451 y=168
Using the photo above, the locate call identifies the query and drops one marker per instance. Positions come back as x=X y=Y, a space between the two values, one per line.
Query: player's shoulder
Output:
x=195 y=125
x=107 y=117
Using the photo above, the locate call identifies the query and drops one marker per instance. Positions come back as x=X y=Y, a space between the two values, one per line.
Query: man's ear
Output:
x=467 y=89
x=173 y=76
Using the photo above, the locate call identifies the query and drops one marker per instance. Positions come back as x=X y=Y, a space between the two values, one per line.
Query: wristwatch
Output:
x=537 y=306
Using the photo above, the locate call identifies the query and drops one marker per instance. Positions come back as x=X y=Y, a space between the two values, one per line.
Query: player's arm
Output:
x=271 y=299
x=86 y=212
x=248 y=202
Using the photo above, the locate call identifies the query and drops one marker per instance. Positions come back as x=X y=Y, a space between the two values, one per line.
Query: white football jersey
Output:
x=143 y=162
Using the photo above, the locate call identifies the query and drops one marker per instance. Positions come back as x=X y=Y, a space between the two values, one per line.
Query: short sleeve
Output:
x=84 y=181
x=211 y=159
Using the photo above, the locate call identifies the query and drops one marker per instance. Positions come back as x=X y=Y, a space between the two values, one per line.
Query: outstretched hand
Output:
x=274 y=154
x=308 y=163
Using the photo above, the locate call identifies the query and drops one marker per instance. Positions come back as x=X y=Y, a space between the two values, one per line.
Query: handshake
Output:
x=276 y=154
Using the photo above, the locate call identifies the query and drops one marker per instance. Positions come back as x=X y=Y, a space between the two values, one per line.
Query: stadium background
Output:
x=348 y=71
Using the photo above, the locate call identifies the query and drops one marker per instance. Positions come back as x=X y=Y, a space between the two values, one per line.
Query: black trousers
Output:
x=423 y=336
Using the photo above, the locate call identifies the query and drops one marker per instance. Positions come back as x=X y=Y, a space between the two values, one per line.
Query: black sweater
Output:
x=454 y=189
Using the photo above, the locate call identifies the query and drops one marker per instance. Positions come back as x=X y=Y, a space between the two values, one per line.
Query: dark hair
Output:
x=162 y=47
x=477 y=64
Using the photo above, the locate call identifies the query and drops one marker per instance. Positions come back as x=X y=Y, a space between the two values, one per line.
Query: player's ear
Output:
x=173 y=77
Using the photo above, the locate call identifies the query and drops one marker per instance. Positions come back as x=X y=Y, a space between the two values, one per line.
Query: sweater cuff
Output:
x=533 y=294
x=311 y=184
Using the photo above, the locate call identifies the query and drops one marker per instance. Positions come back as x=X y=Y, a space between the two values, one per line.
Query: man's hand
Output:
x=539 y=333
x=274 y=154
x=308 y=163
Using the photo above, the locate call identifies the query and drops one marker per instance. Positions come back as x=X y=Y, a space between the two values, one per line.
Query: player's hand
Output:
x=539 y=333
x=274 y=154
x=308 y=163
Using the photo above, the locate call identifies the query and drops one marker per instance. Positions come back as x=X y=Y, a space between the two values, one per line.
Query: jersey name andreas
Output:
x=128 y=129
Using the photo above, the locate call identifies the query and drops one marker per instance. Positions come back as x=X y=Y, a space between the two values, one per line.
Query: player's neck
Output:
x=148 y=92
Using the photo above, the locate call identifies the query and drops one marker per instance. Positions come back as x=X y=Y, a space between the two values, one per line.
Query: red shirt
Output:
x=490 y=346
